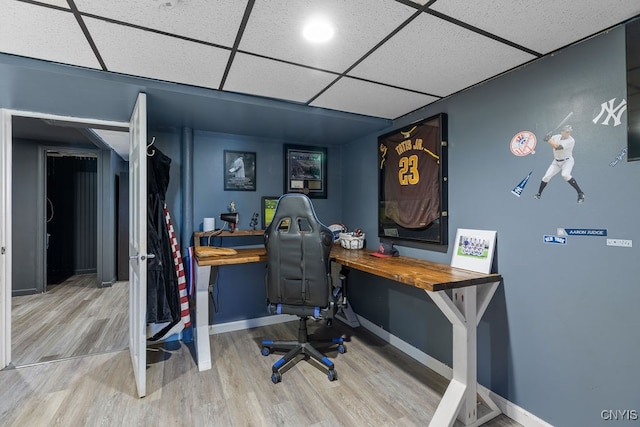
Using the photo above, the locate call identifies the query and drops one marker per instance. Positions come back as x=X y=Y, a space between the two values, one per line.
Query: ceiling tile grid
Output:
x=259 y=76
x=275 y=30
x=540 y=25
x=434 y=56
x=43 y=33
x=392 y=57
x=205 y=20
x=136 y=52
x=59 y=3
x=357 y=96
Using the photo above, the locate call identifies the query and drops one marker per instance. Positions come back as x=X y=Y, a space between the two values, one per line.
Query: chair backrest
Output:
x=298 y=247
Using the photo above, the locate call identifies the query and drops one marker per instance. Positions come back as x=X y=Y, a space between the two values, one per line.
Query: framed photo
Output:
x=268 y=204
x=305 y=170
x=473 y=250
x=239 y=171
x=412 y=183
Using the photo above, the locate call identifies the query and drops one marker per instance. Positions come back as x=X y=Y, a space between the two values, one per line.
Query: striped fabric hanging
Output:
x=177 y=259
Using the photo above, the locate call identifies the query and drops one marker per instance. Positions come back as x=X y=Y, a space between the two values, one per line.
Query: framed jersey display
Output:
x=412 y=183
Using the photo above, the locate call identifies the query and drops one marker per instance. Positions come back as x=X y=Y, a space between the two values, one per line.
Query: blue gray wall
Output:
x=561 y=337
x=241 y=292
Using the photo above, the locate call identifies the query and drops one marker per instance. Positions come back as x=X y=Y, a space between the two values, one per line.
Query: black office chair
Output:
x=298 y=278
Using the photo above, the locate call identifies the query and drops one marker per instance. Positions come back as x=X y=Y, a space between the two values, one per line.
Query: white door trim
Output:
x=5 y=238
x=6 y=140
x=138 y=242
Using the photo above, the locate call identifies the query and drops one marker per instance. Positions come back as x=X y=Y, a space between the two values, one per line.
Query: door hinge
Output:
x=3 y=250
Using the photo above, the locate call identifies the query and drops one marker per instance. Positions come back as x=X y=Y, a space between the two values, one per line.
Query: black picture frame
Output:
x=268 y=209
x=632 y=35
x=412 y=183
x=239 y=170
x=305 y=170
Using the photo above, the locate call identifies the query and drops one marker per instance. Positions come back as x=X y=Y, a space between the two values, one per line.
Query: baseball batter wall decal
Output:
x=562 y=145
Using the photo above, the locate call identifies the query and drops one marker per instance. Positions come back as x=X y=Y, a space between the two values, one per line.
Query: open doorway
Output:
x=137 y=128
x=71 y=216
x=64 y=301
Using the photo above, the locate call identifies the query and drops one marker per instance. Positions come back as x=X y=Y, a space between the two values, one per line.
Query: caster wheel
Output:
x=342 y=349
x=276 y=377
x=332 y=375
x=265 y=351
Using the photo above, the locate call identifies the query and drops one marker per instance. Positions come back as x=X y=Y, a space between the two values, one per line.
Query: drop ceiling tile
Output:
x=265 y=77
x=370 y=99
x=540 y=25
x=275 y=30
x=142 y=53
x=43 y=33
x=205 y=20
x=59 y=3
x=433 y=56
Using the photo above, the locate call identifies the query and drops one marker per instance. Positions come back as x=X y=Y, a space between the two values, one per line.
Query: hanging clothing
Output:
x=185 y=315
x=163 y=300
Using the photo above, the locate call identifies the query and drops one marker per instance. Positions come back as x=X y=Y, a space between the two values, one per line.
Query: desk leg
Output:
x=463 y=310
x=203 y=351
x=347 y=315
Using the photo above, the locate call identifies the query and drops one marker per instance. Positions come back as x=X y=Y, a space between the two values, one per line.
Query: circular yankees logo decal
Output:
x=523 y=143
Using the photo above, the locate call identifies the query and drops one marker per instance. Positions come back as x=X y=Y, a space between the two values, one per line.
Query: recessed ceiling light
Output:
x=318 y=30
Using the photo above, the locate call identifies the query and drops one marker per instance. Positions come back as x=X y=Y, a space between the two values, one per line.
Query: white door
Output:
x=5 y=238
x=138 y=242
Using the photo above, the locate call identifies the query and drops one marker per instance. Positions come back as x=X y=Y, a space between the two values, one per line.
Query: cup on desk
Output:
x=209 y=224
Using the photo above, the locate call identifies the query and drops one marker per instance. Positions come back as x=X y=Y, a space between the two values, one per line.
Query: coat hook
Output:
x=149 y=146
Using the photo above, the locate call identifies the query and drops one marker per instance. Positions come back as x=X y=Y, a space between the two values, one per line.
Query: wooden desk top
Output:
x=243 y=256
x=427 y=275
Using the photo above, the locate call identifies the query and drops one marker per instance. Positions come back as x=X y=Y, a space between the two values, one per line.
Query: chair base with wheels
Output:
x=301 y=346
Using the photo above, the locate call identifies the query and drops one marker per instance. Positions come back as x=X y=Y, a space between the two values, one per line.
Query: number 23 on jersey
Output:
x=408 y=170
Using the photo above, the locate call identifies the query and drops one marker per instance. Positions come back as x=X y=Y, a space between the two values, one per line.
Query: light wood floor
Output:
x=377 y=386
x=74 y=318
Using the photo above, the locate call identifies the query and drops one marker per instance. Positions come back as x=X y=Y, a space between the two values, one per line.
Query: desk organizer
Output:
x=351 y=241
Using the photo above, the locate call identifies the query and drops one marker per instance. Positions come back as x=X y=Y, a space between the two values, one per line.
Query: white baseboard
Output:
x=516 y=413
x=508 y=408
x=250 y=323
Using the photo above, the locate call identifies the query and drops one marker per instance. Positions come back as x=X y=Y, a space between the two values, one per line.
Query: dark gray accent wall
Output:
x=27 y=268
x=28 y=209
x=109 y=164
x=560 y=338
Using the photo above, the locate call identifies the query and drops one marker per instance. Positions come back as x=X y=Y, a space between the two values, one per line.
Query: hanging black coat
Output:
x=163 y=298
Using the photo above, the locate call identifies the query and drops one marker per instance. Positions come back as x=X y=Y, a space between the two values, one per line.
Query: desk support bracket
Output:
x=202 y=318
x=464 y=309
x=346 y=315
